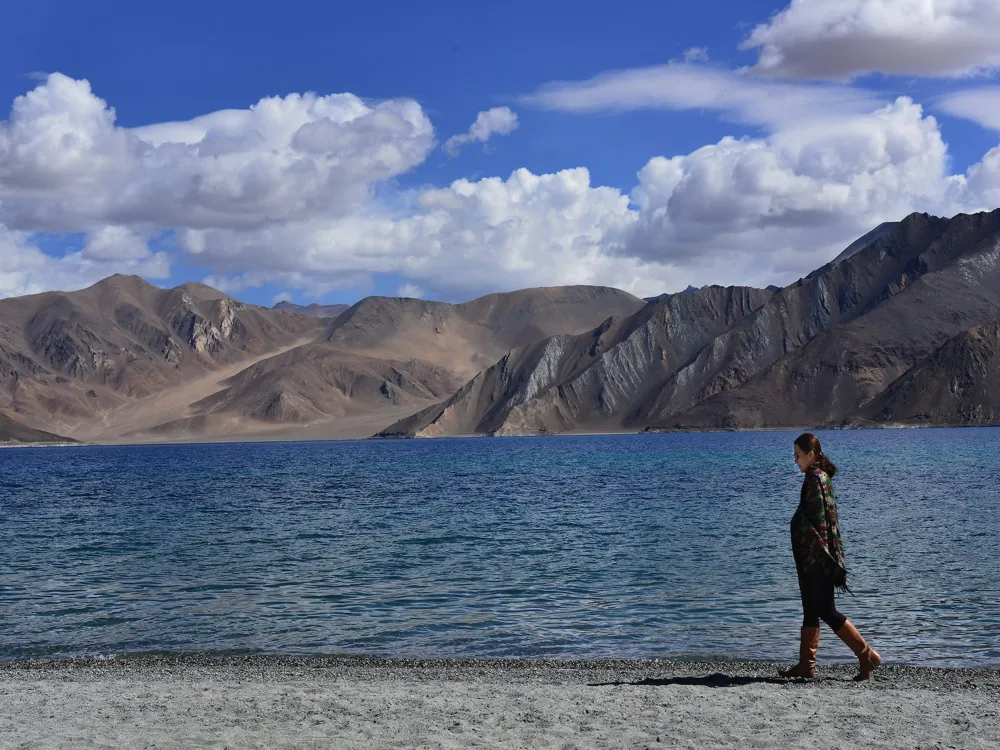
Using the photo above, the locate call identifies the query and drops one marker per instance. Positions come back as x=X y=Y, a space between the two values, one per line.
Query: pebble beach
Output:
x=277 y=702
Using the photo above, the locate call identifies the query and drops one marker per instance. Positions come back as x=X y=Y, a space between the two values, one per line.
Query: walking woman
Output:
x=819 y=560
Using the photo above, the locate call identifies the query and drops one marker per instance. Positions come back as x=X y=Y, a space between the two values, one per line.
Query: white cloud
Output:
x=284 y=193
x=25 y=269
x=410 y=290
x=981 y=105
x=980 y=189
x=496 y=121
x=468 y=238
x=281 y=297
x=115 y=243
x=681 y=86
x=61 y=134
x=843 y=39
x=787 y=203
x=696 y=54
x=66 y=166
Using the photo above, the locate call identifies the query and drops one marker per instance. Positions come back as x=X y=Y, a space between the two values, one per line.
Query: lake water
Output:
x=587 y=546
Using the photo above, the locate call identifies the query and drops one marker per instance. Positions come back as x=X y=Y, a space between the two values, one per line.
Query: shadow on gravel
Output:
x=716 y=680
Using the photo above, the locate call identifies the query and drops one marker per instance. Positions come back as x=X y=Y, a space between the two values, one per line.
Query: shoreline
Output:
x=270 y=701
x=893 y=674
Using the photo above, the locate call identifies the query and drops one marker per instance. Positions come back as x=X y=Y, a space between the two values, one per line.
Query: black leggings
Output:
x=817 y=601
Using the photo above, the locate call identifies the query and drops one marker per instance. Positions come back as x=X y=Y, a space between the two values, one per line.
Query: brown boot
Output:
x=868 y=657
x=808 y=645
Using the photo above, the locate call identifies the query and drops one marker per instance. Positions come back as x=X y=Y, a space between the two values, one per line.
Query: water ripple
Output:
x=600 y=546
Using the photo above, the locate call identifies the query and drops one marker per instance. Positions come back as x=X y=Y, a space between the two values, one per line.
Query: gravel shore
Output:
x=236 y=702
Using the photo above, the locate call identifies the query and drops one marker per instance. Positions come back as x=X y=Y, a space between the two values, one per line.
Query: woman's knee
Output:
x=834 y=619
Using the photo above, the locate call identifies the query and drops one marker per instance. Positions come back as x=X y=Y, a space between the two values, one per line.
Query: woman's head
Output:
x=808 y=453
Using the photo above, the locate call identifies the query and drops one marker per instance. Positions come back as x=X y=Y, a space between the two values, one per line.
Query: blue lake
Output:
x=672 y=546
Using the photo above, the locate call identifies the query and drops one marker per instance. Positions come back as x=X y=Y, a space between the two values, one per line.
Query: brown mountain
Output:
x=590 y=380
x=466 y=337
x=816 y=351
x=13 y=432
x=125 y=360
x=388 y=356
x=68 y=360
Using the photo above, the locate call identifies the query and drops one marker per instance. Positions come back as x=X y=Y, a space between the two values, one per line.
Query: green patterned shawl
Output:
x=816 y=541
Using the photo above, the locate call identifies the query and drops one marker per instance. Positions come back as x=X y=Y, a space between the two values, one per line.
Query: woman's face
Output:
x=804 y=460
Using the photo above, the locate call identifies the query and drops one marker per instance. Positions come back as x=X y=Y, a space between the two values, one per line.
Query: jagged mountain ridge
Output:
x=884 y=309
x=587 y=380
x=817 y=350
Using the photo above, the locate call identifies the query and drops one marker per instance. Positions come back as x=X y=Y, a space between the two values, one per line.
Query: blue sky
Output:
x=176 y=61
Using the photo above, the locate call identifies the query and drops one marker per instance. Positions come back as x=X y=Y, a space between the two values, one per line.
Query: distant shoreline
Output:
x=68 y=444
x=232 y=439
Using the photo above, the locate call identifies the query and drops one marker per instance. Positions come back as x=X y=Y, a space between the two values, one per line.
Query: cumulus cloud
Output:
x=680 y=86
x=281 y=297
x=115 y=243
x=66 y=166
x=496 y=121
x=468 y=238
x=25 y=269
x=791 y=200
x=843 y=39
x=979 y=190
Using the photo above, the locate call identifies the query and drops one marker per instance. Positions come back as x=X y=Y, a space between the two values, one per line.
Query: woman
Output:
x=819 y=560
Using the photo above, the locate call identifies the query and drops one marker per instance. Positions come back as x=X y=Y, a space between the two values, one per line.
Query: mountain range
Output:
x=860 y=341
x=126 y=361
x=902 y=328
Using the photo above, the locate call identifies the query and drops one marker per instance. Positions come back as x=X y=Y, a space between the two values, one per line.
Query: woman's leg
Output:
x=823 y=603
x=810 y=612
x=820 y=590
x=809 y=636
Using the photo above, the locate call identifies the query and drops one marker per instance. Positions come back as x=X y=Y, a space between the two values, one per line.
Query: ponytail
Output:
x=827 y=465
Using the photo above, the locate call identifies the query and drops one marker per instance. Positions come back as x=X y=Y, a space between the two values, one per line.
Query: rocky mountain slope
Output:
x=590 y=380
x=467 y=337
x=817 y=351
x=959 y=384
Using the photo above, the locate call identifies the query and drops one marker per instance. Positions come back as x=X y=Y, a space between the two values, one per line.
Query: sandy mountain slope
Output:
x=69 y=358
x=13 y=432
x=466 y=337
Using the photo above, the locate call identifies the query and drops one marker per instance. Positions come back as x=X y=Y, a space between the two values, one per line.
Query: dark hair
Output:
x=809 y=443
